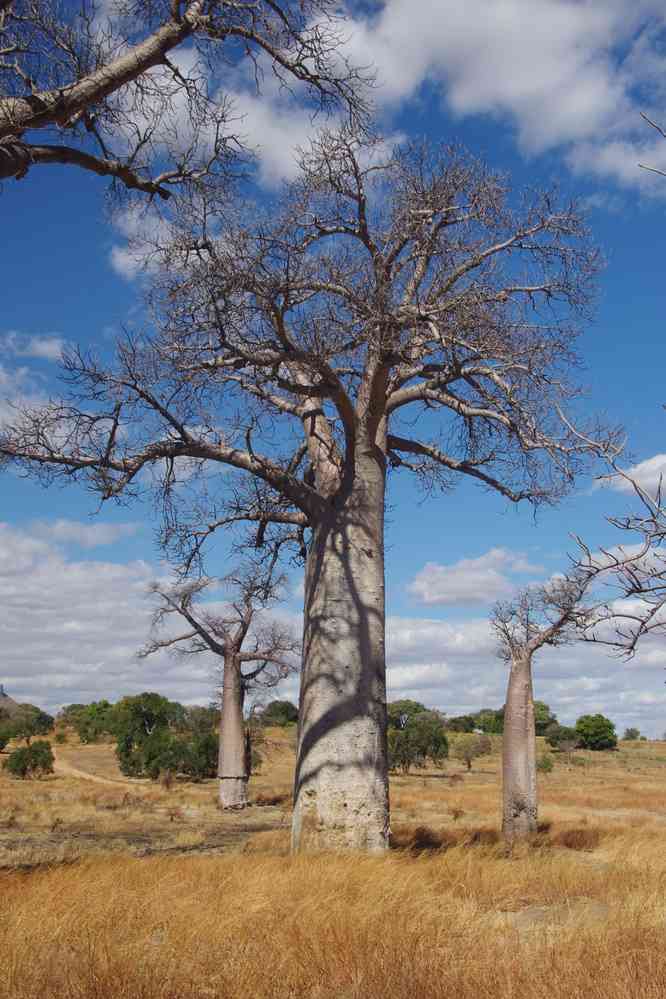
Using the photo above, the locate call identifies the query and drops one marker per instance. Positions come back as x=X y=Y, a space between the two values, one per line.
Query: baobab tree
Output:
x=253 y=652
x=392 y=310
x=135 y=92
x=547 y=615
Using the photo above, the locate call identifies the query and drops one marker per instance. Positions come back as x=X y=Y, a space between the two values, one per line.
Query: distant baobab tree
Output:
x=253 y=652
x=392 y=310
x=547 y=615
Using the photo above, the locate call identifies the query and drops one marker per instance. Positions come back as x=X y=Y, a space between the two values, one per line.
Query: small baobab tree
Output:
x=253 y=650
x=539 y=616
x=392 y=311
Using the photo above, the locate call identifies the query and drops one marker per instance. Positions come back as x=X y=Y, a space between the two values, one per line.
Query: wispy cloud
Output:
x=46 y=347
x=86 y=535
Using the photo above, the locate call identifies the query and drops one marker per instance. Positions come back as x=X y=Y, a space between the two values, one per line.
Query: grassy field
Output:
x=169 y=898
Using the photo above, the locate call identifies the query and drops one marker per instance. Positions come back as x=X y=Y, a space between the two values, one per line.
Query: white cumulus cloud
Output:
x=479 y=580
x=563 y=73
x=70 y=629
x=648 y=474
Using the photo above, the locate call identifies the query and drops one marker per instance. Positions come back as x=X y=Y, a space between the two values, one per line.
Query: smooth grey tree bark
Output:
x=519 y=778
x=234 y=766
x=340 y=790
x=252 y=652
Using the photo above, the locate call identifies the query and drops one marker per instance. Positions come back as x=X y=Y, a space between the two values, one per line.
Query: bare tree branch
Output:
x=103 y=75
x=254 y=589
x=633 y=573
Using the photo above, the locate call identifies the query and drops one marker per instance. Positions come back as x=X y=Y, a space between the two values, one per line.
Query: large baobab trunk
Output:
x=519 y=791
x=341 y=785
x=233 y=768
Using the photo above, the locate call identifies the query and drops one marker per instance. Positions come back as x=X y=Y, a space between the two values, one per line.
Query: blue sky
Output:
x=549 y=91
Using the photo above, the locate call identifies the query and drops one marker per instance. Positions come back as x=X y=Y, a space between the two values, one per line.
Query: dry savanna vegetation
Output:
x=117 y=888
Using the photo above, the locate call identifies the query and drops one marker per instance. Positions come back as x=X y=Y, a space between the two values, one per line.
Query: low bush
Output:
x=195 y=757
x=279 y=713
x=562 y=737
x=271 y=799
x=33 y=761
x=482 y=837
x=468 y=746
x=577 y=839
x=424 y=839
x=420 y=839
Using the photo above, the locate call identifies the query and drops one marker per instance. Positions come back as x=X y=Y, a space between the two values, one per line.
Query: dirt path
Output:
x=67 y=770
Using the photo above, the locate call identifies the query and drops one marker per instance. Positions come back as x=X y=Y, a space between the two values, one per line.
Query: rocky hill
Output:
x=8 y=706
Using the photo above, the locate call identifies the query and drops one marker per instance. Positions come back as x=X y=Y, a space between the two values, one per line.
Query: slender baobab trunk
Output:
x=233 y=769
x=519 y=811
x=341 y=784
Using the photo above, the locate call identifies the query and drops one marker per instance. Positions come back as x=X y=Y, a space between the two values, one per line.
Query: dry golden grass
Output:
x=338 y=928
x=223 y=911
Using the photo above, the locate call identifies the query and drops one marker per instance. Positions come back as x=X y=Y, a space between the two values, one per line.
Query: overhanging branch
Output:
x=17 y=157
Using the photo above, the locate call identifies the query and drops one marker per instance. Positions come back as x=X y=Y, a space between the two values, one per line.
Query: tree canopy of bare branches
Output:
x=253 y=651
x=632 y=574
x=547 y=614
x=135 y=91
x=396 y=310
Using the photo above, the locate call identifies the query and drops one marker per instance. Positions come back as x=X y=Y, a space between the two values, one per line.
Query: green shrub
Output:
x=146 y=744
x=195 y=756
x=160 y=752
x=461 y=723
x=35 y=760
x=201 y=719
x=490 y=720
x=467 y=746
x=545 y=764
x=562 y=737
x=201 y=754
x=256 y=759
x=416 y=738
x=400 y=713
x=30 y=722
x=596 y=732
x=543 y=717
x=279 y=713
x=18 y=763
x=61 y=737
